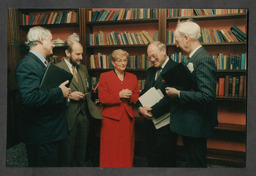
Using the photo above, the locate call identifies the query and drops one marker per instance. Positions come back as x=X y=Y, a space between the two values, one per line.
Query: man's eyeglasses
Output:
x=155 y=56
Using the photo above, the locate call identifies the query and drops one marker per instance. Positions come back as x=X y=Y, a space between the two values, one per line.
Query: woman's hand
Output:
x=125 y=93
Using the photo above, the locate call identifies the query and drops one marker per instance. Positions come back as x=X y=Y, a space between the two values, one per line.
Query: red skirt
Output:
x=117 y=142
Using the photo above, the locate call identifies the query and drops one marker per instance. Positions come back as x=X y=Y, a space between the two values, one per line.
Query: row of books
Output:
x=50 y=18
x=102 y=61
x=201 y=12
x=123 y=14
x=231 y=61
x=223 y=62
x=231 y=86
x=215 y=36
x=115 y=38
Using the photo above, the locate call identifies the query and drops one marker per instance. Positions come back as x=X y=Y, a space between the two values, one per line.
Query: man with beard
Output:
x=79 y=107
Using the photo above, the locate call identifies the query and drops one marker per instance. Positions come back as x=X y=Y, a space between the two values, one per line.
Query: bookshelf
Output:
x=231 y=109
x=230 y=134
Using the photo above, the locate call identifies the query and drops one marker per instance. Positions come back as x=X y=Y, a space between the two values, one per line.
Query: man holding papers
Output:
x=194 y=113
x=158 y=141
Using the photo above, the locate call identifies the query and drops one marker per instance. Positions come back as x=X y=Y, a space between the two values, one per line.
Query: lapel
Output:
x=63 y=65
x=82 y=75
x=167 y=67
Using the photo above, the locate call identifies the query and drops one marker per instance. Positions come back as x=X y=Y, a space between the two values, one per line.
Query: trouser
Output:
x=160 y=145
x=73 y=149
x=43 y=155
x=195 y=150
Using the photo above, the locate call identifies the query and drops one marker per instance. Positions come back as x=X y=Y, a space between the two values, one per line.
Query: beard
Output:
x=74 y=63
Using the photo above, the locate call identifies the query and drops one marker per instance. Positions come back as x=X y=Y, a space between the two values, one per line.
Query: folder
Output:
x=54 y=76
x=180 y=78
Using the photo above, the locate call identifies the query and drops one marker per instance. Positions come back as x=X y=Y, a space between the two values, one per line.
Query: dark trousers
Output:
x=73 y=148
x=160 y=145
x=43 y=155
x=195 y=151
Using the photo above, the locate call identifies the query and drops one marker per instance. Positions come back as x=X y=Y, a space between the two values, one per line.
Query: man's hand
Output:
x=76 y=96
x=172 y=92
x=65 y=91
x=125 y=93
x=145 y=111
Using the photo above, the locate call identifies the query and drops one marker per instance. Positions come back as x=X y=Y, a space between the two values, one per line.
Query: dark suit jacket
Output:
x=84 y=105
x=45 y=120
x=163 y=105
x=194 y=114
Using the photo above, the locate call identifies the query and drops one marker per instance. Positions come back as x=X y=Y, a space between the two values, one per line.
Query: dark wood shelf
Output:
x=115 y=46
x=208 y=17
x=62 y=25
x=222 y=98
x=232 y=71
x=231 y=127
x=216 y=44
x=99 y=23
x=39 y=10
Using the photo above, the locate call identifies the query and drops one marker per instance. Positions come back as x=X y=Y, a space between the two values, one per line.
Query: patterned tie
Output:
x=158 y=72
x=74 y=73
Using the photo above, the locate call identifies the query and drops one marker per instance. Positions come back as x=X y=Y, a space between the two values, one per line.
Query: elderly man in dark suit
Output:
x=159 y=142
x=45 y=123
x=194 y=113
x=80 y=107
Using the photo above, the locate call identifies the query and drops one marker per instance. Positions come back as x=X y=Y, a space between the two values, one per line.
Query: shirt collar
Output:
x=39 y=56
x=193 y=52
x=165 y=62
x=69 y=65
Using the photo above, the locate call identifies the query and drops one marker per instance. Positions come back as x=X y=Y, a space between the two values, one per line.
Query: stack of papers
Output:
x=150 y=98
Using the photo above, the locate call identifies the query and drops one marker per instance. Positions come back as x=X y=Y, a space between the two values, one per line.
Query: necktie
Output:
x=158 y=72
x=74 y=73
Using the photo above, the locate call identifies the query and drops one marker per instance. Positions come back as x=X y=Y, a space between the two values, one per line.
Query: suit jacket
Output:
x=194 y=114
x=109 y=87
x=84 y=105
x=163 y=106
x=45 y=119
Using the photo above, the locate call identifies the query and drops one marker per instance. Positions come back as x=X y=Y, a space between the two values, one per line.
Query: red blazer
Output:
x=109 y=87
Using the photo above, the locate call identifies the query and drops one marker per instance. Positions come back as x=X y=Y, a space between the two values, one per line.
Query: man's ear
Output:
x=67 y=53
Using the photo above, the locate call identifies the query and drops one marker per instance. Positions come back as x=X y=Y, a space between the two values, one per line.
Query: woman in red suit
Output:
x=118 y=91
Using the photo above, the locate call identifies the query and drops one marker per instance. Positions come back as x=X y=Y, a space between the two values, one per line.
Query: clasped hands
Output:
x=125 y=93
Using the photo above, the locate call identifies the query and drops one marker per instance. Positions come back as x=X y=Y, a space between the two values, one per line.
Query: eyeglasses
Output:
x=155 y=56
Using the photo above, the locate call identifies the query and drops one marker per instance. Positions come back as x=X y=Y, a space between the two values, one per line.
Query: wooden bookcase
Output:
x=228 y=145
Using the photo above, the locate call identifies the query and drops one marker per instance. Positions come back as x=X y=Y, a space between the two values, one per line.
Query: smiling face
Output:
x=76 y=54
x=120 y=63
x=155 y=55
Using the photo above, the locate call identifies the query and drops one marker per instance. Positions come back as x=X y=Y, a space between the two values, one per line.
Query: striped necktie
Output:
x=74 y=73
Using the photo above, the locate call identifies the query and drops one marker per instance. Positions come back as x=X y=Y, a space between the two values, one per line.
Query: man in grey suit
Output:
x=80 y=107
x=194 y=112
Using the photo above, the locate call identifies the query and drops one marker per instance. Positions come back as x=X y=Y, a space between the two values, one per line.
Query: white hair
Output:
x=189 y=28
x=35 y=34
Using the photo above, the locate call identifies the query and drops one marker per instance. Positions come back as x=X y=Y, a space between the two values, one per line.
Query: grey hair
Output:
x=159 y=45
x=35 y=34
x=190 y=28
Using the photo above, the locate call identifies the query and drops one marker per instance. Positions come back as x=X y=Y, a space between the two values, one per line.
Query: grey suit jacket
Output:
x=74 y=107
x=194 y=113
